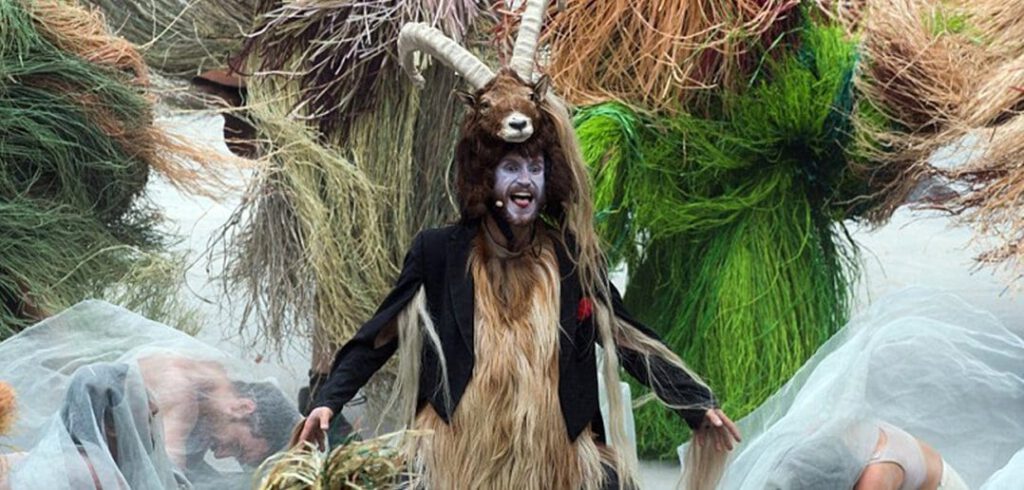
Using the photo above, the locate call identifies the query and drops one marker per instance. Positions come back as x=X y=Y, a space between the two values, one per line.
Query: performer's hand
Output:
x=717 y=429
x=317 y=423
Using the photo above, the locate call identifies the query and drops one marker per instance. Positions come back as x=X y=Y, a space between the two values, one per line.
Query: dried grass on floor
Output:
x=377 y=463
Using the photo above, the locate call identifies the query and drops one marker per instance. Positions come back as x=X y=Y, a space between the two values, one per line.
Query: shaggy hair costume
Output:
x=497 y=346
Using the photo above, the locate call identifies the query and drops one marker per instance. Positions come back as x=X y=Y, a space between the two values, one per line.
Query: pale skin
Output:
x=889 y=476
x=519 y=192
x=174 y=383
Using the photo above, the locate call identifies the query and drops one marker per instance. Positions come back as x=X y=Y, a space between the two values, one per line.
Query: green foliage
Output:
x=730 y=225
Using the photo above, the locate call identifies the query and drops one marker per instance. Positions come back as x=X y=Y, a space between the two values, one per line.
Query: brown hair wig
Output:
x=479 y=150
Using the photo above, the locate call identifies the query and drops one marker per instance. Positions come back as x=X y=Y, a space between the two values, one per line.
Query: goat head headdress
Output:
x=509 y=110
x=491 y=90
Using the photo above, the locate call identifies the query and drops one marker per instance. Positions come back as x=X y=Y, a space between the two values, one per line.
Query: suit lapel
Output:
x=460 y=281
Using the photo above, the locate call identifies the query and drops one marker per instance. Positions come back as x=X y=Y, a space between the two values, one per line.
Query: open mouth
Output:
x=522 y=199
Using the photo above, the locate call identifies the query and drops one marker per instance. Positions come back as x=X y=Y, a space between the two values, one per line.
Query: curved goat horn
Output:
x=529 y=33
x=421 y=37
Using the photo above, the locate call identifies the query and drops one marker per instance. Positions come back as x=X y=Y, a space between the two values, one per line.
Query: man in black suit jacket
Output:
x=437 y=265
x=497 y=318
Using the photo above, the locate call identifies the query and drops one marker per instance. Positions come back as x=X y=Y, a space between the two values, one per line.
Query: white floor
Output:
x=914 y=249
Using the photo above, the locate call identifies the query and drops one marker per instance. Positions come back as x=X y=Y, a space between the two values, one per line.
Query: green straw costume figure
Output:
x=726 y=202
x=729 y=143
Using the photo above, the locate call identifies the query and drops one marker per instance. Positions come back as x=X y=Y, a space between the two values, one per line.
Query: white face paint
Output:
x=519 y=187
x=516 y=128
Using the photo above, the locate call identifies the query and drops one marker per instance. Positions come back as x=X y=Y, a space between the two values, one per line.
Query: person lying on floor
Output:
x=109 y=399
x=151 y=426
x=864 y=455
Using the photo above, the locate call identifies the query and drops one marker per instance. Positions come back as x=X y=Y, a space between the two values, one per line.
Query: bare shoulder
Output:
x=880 y=476
x=176 y=380
x=177 y=366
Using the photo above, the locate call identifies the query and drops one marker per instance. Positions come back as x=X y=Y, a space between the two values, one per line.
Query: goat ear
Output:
x=466 y=97
x=541 y=87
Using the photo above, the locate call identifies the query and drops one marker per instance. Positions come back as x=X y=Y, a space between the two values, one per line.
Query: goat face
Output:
x=506 y=109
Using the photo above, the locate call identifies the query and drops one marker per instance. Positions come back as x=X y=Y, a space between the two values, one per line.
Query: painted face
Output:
x=519 y=186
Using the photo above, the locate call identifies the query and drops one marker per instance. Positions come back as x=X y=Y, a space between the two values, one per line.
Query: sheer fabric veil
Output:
x=89 y=415
x=924 y=361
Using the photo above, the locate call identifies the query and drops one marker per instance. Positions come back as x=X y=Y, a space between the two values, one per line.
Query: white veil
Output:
x=924 y=361
x=88 y=418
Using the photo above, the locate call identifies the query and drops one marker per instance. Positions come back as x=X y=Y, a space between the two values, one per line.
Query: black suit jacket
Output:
x=438 y=262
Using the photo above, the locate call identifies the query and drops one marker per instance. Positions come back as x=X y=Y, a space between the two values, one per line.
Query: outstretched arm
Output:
x=367 y=351
x=645 y=356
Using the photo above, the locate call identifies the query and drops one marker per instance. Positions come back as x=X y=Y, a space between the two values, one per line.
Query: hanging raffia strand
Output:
x=308 y=220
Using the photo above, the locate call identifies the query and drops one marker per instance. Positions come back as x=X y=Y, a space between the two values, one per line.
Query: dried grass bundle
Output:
x=999 y=25
x=918 y=78
x=8 y=408
x=377 y=463
x=658 y=54
x=358 y=162
x=83 y=31
x=933 y=73
x=741 y=266
x=182 y=38
x=915 y=76
x=345 y=50
x=995 y=199
x=993 y=99
x=79 y=145
x=309 y=246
